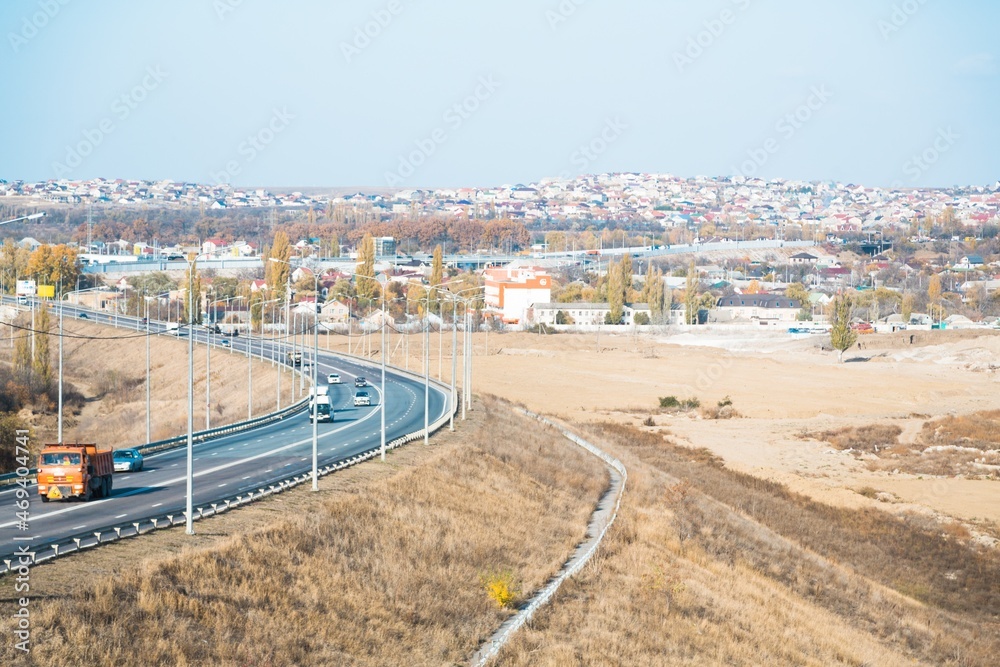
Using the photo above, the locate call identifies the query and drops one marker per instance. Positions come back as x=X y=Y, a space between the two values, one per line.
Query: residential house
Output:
x=334 y=311
x=512 y=291
x=764 y=308
x=804 y=258
x=584 y=314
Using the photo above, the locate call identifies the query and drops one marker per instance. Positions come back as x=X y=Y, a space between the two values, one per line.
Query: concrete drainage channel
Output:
x=110 y=534
x=600 y=522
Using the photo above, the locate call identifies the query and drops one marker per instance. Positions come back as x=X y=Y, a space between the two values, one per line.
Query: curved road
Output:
x=226 y=466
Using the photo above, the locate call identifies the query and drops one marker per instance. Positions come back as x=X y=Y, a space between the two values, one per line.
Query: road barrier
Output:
x=114 y=533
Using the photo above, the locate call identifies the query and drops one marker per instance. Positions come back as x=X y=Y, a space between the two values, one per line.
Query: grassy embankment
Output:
x=710 y=566
x=388 y=572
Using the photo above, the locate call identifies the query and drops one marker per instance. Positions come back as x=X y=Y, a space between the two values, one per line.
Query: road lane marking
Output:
x=74 y=508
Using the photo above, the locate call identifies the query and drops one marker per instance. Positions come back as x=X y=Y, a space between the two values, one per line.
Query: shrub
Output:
x=872 y=438
x=501 y=587
x=648 y=422
x=725 y=402
x=669 y=402
x=868 y=492
x=691 y=404
x=642 y=319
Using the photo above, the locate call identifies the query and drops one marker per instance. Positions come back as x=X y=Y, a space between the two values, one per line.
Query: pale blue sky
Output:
x=888 y=81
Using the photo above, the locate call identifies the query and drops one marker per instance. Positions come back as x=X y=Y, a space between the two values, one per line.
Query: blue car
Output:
x=127 y=460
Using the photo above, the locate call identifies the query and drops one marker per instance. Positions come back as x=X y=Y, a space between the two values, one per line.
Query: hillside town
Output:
x=671 y=201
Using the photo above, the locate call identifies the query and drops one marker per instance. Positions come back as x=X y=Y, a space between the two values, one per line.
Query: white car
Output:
x=361 y=398
x=333 y=378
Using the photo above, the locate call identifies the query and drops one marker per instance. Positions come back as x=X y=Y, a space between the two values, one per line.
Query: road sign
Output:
x=25 y=288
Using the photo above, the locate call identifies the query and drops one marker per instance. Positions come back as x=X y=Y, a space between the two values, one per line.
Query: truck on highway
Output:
x=75 y=470
x=295 y=358
x=321 y=409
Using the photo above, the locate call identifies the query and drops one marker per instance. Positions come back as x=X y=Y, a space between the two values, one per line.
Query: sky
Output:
x=422 y=93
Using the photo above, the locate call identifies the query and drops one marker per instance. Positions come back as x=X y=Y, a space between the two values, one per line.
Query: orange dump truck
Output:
x=74 y=471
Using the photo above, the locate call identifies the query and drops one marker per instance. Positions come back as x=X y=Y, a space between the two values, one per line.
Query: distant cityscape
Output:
x=670 y=201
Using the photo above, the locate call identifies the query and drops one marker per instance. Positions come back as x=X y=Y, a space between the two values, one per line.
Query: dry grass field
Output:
x=827 y=522
x=386 y=574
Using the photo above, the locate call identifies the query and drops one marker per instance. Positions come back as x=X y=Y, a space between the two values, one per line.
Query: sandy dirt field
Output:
x=782 y=387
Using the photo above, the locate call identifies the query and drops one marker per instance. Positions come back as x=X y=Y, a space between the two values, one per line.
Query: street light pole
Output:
x=190 y=434
x=315 y=369
x=60 y=438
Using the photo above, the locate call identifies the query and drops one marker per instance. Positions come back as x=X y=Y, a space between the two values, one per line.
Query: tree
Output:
x=437 y=276
x=13 y=264
x=798 y=292
x=934 y=290
x=907 y=307
x=256 y=310
x=753 y=287
x=367 y=290
x=655 y=293
x=192 y=295
x=276 y=273
x=342 y=291
x=691 y=296
x=335 y=246
x=153 y=283
x=842 y=336
x=41 y=363
x=54 y=265
x=616 y=294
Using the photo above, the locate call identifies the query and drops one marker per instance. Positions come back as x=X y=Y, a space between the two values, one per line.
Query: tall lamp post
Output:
x=250 y=350
x=33 y=216
x=208 y=357
x=454 y=345
x=427 y=355
x=315 y=373
x=190 y=434
x=382 y=406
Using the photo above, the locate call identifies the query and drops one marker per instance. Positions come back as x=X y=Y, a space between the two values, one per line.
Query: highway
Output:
x=226 y=466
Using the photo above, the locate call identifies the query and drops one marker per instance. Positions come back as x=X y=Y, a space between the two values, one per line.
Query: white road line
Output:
x=78 y=527
x=121 y=516
x=209 y=471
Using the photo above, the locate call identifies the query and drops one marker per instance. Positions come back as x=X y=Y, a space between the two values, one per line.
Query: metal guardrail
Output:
x=199 y=436
x=543 y=596
x=92 y=539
